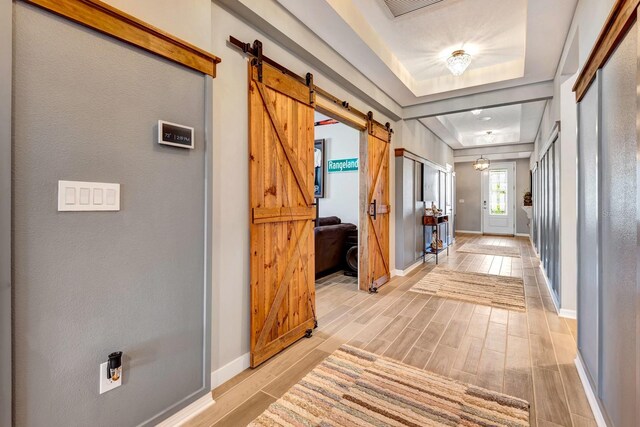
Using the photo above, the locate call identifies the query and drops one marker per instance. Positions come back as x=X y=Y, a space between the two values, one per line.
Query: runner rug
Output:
x=474 y=248
x=353 y=387
x=478 y=288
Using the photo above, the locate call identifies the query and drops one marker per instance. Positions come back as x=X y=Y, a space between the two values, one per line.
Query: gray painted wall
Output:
x=87 y=284
x=608 y=235
x=409 y=210
x=469 y=188
x=619 y=232
x=6 y=51
x=588 y=234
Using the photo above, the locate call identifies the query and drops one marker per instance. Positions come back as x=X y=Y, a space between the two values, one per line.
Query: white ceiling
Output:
x=424 y=39
x=512 y=124
x=512 y=42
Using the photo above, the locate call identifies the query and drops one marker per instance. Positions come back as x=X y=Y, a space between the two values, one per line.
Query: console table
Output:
x=433 y=223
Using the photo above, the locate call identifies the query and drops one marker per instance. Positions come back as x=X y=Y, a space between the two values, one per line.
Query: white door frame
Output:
x=483 y=196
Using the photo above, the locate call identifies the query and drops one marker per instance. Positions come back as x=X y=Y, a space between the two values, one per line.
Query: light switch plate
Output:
x=74 y=196
x=105 y=383
x=461 y=200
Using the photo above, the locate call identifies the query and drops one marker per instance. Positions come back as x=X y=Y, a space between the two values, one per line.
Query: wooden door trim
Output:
x=622 y=16
x=284 y=143
x=115 y=23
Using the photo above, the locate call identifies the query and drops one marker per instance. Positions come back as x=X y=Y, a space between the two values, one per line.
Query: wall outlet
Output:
x=461 y=201
x=105 y=382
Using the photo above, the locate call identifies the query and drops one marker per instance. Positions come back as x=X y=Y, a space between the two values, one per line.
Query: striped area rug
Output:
x=474 y=248
x=356 y=388
x=478 y=288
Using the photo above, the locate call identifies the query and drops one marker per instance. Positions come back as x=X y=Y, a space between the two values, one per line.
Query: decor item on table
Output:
x=428 y=212
x=458 y=62
x=497 y=250
x=437 y=244
x=355 y=387
x=319 y=164
x=481 y=164
x=434 y=210
x=479 y=288
x=528 y=199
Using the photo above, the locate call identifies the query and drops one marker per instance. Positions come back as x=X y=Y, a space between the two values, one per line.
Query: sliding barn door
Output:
x=378 y=141
x=281 y=171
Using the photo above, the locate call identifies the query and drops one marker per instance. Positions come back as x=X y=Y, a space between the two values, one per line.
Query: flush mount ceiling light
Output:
x=489 y=138
x=481 y=164
x=485 y=118
x=458 y=62
x=476 y=112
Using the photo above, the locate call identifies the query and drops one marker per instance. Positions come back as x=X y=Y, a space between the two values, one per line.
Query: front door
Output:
x=498 y=199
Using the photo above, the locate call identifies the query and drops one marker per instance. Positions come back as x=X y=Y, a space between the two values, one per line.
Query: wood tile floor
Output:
x=529 y=355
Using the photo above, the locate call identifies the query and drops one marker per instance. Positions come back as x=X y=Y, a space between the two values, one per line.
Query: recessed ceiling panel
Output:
x=511 y=124
x=402 y=7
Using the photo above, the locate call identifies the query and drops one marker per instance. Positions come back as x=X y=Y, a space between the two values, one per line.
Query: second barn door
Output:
x=281 y=169
x=378 y=208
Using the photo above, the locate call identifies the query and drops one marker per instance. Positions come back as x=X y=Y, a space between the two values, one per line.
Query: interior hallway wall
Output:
x=468 y=198
x=469 y=189
x=341 y=188
x=568 y=199
x=90 y=283
x=418 y=139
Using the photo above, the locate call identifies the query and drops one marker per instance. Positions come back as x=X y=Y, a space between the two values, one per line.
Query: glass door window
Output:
x=498 y=182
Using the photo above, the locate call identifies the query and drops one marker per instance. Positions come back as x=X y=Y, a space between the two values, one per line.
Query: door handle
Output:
x=373 y=209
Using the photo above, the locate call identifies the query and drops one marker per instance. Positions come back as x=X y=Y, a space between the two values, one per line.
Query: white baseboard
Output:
x=523 y=235
x=407 y=270
x=468 y=232
x=179 y=418
x=230 y=370
x=591 y=397
x=562 y=312
x=569 y=314
x=550 y=289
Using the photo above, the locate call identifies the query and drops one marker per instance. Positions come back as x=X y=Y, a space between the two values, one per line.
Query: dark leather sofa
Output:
x=330 y=238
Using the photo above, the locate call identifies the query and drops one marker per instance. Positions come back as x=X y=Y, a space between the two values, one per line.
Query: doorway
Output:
x=498 y=199
x=336 y=192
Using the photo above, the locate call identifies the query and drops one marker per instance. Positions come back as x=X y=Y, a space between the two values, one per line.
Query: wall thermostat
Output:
x=175 y=135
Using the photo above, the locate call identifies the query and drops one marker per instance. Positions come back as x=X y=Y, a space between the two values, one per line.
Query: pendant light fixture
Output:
x=458 y=62
x=481 y=164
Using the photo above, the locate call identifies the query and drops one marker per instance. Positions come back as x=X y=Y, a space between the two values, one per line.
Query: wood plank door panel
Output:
x=378 y=146
x=281 y=172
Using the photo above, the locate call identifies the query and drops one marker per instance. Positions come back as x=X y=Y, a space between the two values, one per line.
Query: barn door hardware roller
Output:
x=255 y=50
x=312 y=90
